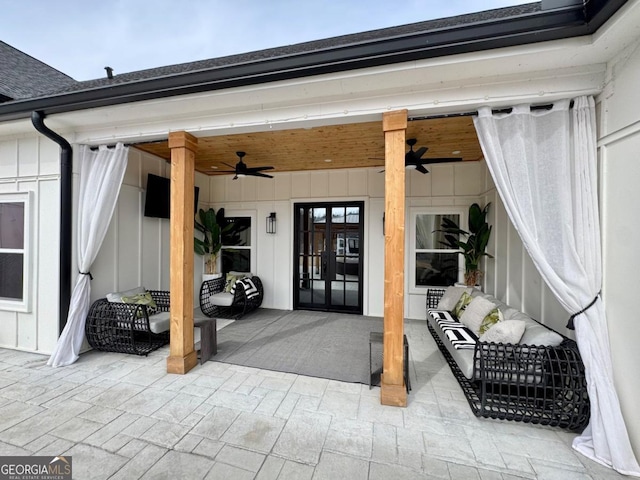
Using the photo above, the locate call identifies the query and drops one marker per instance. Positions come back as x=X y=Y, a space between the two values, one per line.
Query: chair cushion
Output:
x=159 y=322
x=222 y=299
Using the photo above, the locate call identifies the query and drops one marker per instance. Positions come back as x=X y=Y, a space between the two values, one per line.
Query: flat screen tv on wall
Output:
x=158 y=197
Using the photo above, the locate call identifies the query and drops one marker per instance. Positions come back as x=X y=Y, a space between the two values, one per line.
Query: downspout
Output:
x=66 y=211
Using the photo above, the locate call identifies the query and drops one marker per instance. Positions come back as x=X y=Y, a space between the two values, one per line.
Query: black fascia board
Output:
x=526 y=29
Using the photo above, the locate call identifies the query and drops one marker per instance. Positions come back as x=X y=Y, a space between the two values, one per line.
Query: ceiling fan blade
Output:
x=258 y=169
x=421 y=169
x=230 y=166
x=440 y=160
x=258 y=174
x=420 y=152
x=224 y=171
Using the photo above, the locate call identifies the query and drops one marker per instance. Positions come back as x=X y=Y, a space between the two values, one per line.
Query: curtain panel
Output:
x=101 y=175
x=544 y=166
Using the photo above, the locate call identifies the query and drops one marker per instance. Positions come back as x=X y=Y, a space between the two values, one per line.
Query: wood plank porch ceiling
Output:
x=353 y=145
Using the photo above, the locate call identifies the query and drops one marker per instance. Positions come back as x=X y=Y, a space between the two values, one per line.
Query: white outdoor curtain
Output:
x=544 y=166
x=101 y=174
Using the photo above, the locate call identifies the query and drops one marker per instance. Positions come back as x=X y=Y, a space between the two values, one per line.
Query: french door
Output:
x=328 y=256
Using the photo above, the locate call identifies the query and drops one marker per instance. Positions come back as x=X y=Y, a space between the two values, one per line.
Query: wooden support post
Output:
x=393 y=390
x=182 y=356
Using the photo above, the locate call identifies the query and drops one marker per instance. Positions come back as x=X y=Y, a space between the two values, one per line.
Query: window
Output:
x=14 y=251
x=432 y=263
x=237 y=245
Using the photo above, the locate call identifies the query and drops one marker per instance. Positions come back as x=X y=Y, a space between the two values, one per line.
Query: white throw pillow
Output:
x=508 y=331
x=451 y=296
x=116 y=297
x=475 y=312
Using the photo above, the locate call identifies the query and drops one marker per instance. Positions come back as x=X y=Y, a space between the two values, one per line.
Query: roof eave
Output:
x=532 y=28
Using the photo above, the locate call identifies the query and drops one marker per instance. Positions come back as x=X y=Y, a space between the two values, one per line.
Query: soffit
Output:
x=353 y=145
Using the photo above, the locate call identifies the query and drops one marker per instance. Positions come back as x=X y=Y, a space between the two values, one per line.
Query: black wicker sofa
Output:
x=219 y=298
x=526 y=382
x=113 y=326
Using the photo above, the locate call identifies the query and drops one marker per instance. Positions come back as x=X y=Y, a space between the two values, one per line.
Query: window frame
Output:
x=253 y=239
x=23 y=305
x=413 y=251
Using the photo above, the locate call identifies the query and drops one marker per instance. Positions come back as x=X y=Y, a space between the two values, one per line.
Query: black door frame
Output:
x=330 y=272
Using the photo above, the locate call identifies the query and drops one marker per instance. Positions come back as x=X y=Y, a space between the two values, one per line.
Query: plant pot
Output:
x=210 y=276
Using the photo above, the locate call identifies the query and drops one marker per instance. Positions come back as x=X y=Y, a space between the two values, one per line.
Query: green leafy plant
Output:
x=472 y=244
x=212 y=225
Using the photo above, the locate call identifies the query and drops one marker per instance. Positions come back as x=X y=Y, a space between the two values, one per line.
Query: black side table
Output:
x=376 y=338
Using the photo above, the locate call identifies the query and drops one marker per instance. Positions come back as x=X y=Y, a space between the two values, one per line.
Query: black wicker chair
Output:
x=125 y=328
x=525 y=383
x=240 y=305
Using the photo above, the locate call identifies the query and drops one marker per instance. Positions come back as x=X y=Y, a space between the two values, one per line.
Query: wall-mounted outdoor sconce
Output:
x=271 y=223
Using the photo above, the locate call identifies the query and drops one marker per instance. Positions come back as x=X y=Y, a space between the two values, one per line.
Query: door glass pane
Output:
x=337 y=293
x=353 y=215
x=436 y=269
x=318 y=292
x=12 y=225
x=319 y=215
x=11 y=275
x=337 y=215
x=426 y=238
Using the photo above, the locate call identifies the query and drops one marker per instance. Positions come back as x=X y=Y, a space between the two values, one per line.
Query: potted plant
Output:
x=472 y=244
x=210 y=224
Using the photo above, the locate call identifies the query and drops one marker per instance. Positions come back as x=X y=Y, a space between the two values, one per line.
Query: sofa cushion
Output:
x=508 y=331
x=451 y=296
x=462 y=357
x=474 y=314
x=465 y=299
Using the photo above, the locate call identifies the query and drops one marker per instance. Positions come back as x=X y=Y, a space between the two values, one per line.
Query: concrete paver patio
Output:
x=123 y=417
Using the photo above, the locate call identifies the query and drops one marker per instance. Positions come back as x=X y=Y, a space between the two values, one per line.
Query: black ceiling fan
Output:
x=242 y=170
x=413 y=158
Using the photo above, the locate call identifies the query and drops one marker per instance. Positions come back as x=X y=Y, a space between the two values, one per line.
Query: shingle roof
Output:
x=312 y=46
x=22 y=76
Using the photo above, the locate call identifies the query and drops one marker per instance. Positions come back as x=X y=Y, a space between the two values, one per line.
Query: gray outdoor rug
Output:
x=318 y=344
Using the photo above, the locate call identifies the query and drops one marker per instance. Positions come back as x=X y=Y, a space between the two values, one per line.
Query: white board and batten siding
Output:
x=446 y=185
x=32 y=164
x=619 y=159
x=136 y=248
